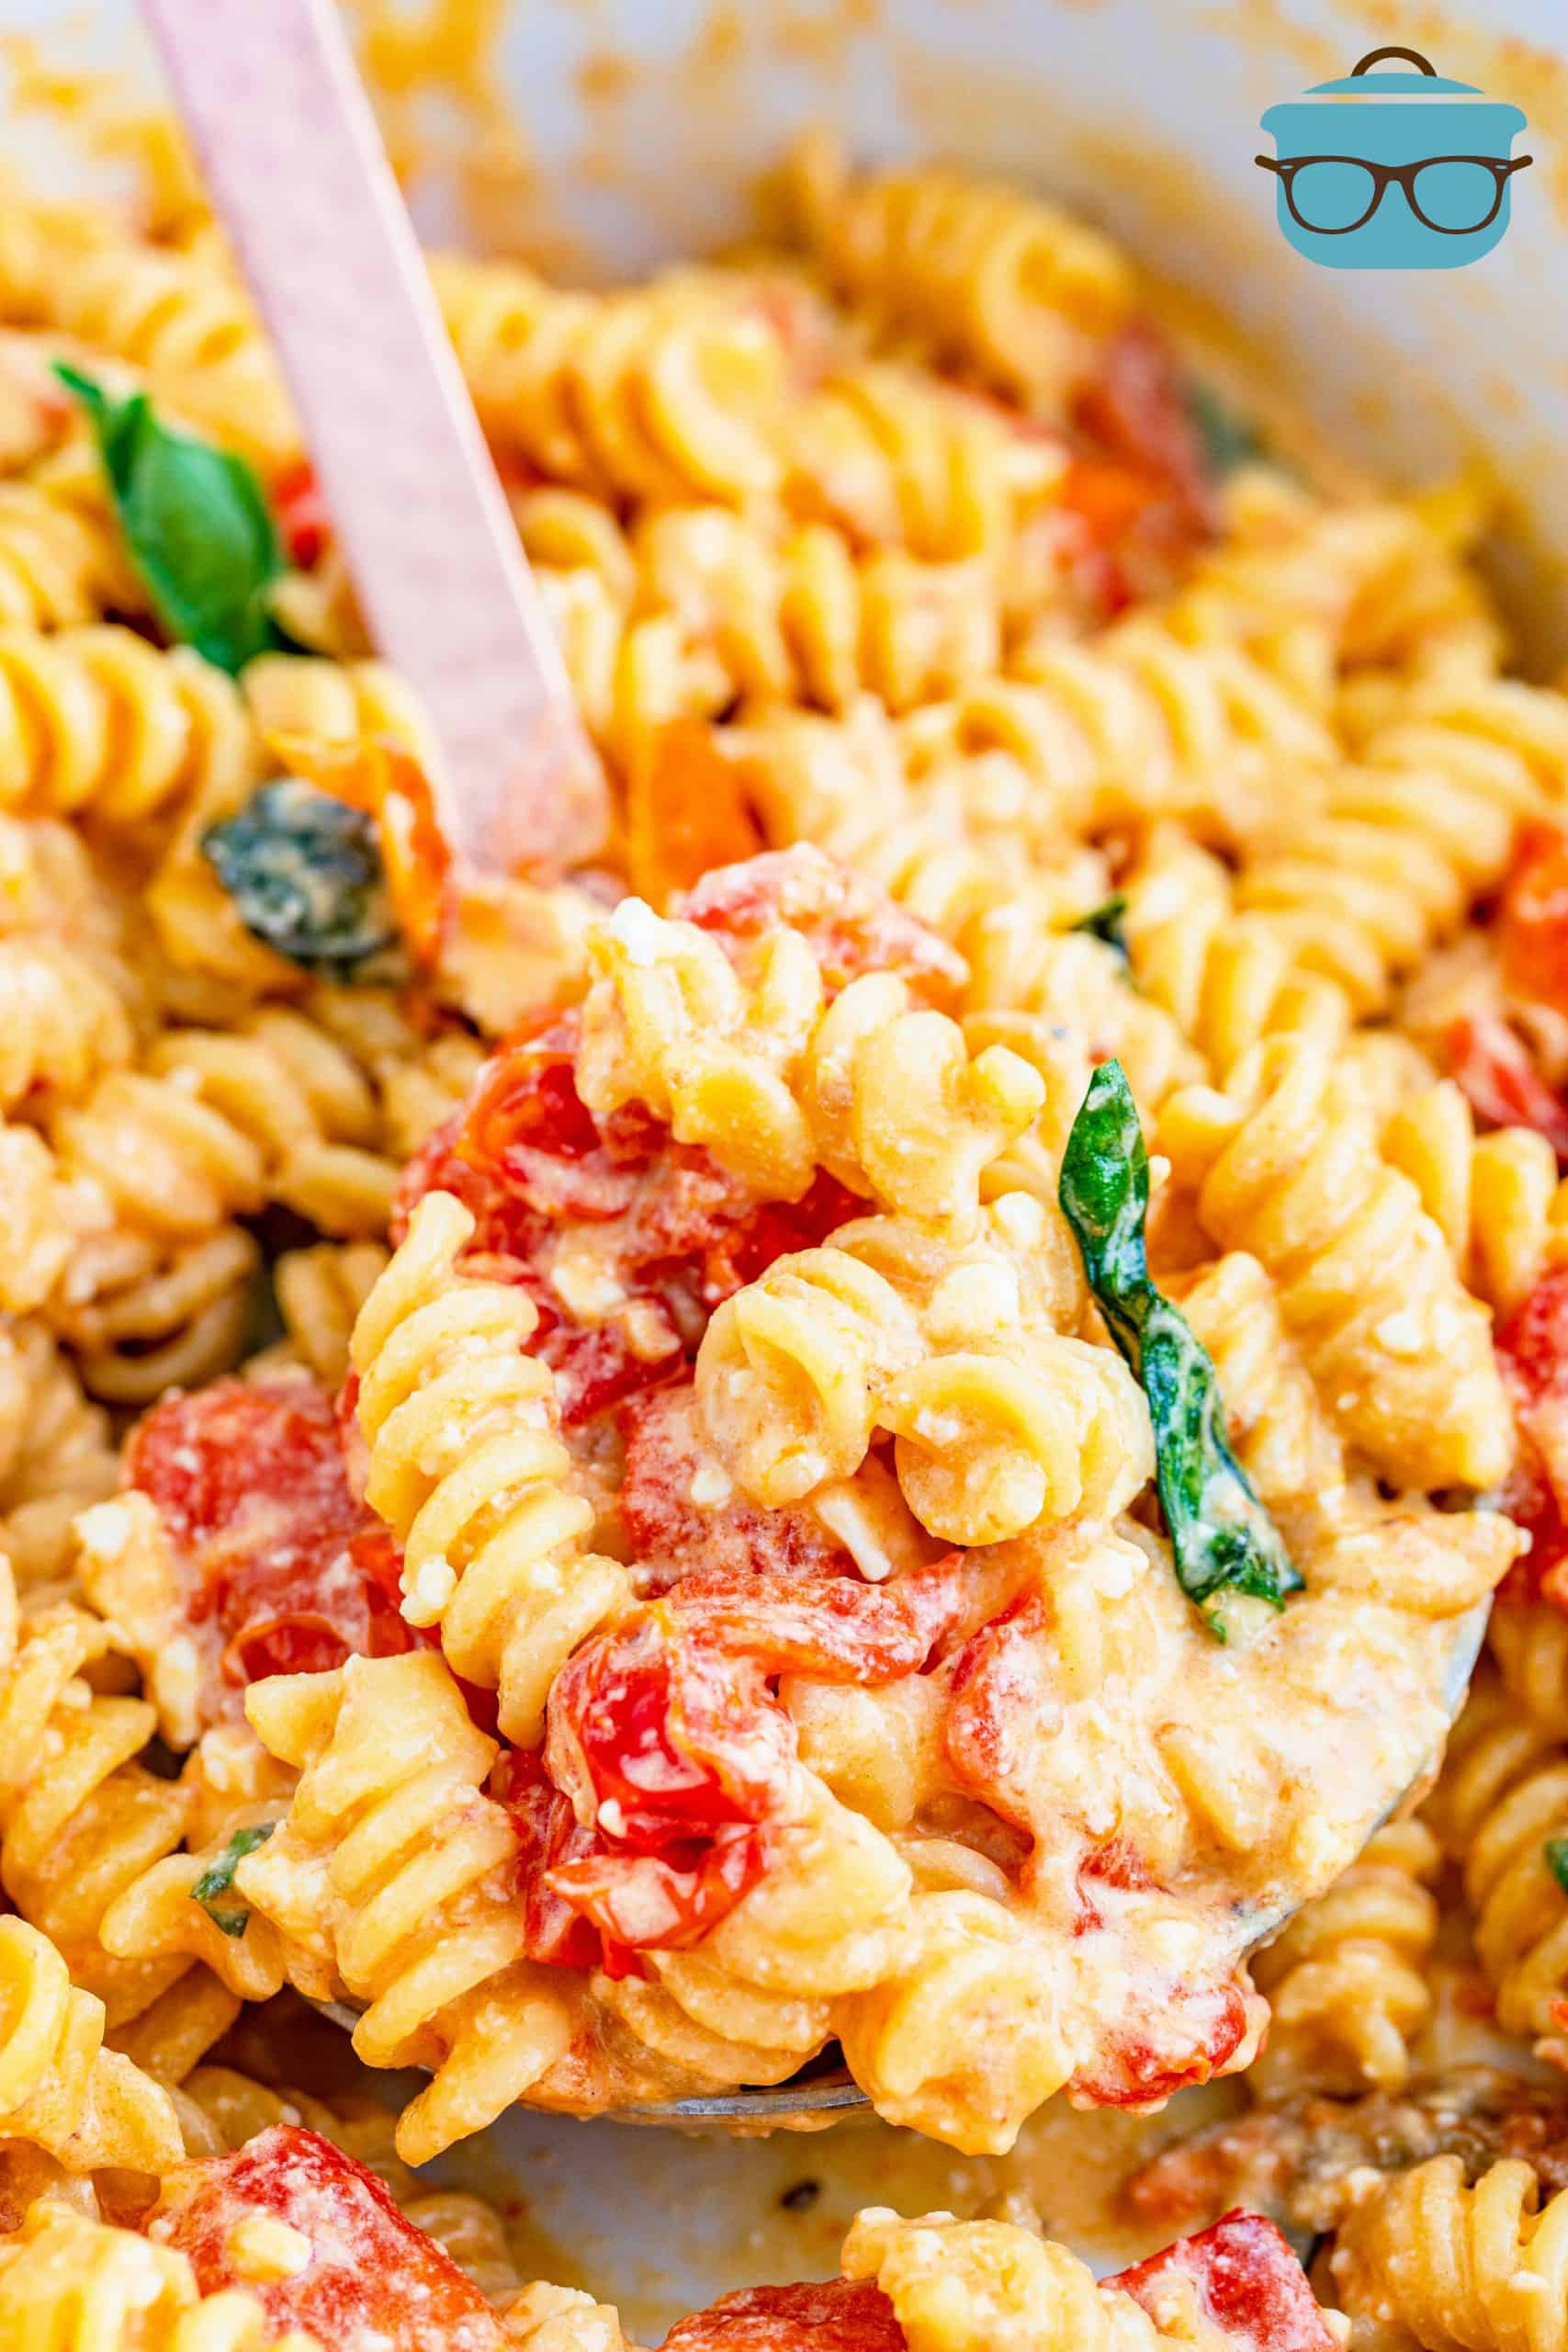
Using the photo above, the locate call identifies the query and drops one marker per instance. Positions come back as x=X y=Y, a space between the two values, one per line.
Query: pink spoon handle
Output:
x=291 y=153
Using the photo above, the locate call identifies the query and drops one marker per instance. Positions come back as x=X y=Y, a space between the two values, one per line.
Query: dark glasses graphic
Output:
x=1455 y=195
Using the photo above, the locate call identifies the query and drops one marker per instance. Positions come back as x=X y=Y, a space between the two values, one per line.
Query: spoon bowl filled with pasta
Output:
x=844 y=1443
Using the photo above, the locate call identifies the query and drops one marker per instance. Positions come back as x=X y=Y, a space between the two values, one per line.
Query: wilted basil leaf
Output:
x=304 y=871
x=196 y=524
x=214 y=1889
x=1222 y=1541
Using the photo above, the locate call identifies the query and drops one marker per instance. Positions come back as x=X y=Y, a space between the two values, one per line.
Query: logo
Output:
x=1393 y=170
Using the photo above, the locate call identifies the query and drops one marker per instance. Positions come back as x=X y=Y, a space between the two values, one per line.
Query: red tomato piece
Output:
x=369 y=2281
x=851 y=926
x=833 y=1627
x=1134 y=412
x=672 y=1536
x=689 y=807
x=838 y=2315
x=300 y=512
x=1532 y=923
x=1133 y=2073
x=1248 y=2283
x=274 y=1553
x=1532 y=1353
x=1492 y=1065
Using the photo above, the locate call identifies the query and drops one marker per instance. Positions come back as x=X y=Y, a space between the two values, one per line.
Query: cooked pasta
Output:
x=869 y=1425
x=1428 y=2259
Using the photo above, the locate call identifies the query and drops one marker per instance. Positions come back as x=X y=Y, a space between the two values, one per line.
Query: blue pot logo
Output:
x=1393 y=170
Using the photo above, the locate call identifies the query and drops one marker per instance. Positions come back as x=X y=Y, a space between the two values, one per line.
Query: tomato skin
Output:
x=1532 y=923
x=1133 y=2074
x=1135 y=416
x=838 y=2315
x=371 y=2281
x=1532 y=1354
x=668 y=1756
x=273 y=1549
x=299 y=510
x=1249 y=2285
x=1492 y=1066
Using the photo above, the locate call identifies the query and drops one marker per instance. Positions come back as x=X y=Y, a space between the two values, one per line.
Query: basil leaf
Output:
x=217 y=1881
x=1222 y=1541
x=304 y=871
x=1229 y=440
x=1556 y=1852
x=197 y=523
x=1104 y=922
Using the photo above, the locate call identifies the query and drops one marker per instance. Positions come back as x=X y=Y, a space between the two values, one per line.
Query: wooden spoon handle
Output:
x=270 y=95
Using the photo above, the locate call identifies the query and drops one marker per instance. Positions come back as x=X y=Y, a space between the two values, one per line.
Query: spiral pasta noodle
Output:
x=468 y=1471
x=189 y=327
x=875 y=1088
x=1285 y=1165
x=998 y=1421
x=419 y=1924
x=60 y=1023
x=955 y=2284
x=80 y=1817
x=1460 y=2269
x=1502 y=1799
x=61 y=563
x=70 y=2283
x=1407 y=840
x=59 y=2087
x=654 y=392
x=999 y=281
x=891 y=459
x=1345 y=1982
x=97 y=719
x=56 y=1454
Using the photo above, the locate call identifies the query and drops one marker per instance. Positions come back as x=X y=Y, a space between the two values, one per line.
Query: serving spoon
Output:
x=290 y=149
x=817 y=2100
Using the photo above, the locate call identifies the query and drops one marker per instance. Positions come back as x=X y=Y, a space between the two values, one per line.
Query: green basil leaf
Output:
x=214 y=1889
x=196 y=524
x=1229 y=440
x=304 y=871
x=1223 y=1541
x=1556 y=1852
x=1104 y=922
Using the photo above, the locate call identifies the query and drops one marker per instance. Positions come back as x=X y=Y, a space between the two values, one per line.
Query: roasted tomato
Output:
x=275 y=1555
x=1532 y=1352
x=1129 y=2071
x=300 y=512
x=851 y=926
x=838 y=2315
x=1139 y=489
x=1532 y=923
x=1247 y=2282
x=1492 y=1066
x=366 y=2279
x=669 y=1232
x=688 y=810
x=669 y=1755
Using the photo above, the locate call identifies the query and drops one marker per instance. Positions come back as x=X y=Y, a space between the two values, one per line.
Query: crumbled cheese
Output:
x=974 y=1302
x=638 y=931
x=176 y=1684
x=585 y=1286
x=1021 y=1216
x=612 y=1818
x=435 y=1582
x=844 y=1513
x=710 y=1487
x=105 y=1529
x=262 y=2250
x=648 y=1335
x=1400 y=1333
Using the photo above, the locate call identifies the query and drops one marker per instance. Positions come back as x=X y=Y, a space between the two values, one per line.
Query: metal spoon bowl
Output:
x=813 y=2103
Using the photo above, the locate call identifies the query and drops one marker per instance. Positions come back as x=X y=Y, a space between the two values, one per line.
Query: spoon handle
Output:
x=285 y=137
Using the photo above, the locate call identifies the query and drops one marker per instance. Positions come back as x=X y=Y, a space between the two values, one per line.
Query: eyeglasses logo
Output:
x=1393 y=170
